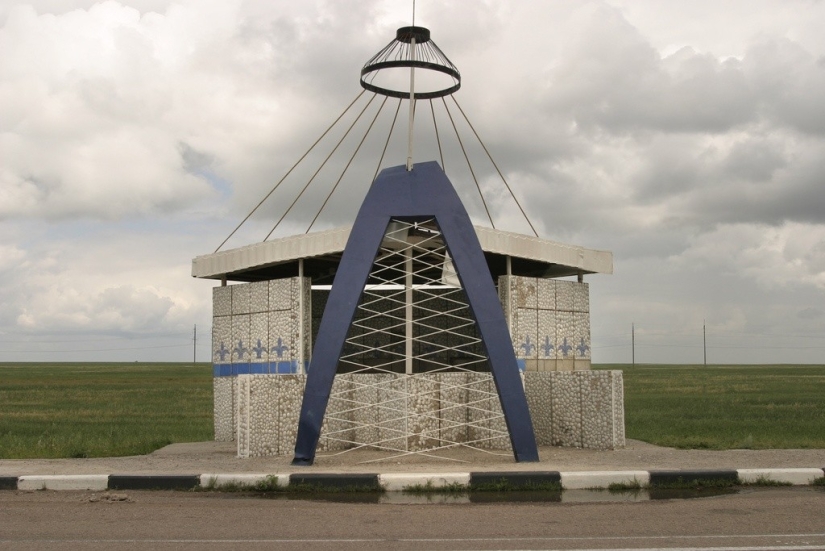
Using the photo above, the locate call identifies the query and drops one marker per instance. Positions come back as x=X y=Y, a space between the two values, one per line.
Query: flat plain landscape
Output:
x=725 y=406
x=54 y=410
x=50 y=410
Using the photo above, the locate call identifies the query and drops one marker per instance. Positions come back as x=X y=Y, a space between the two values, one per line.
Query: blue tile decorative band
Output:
x=255 y=368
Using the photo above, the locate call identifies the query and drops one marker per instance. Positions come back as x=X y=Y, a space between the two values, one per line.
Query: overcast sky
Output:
x=687 y=137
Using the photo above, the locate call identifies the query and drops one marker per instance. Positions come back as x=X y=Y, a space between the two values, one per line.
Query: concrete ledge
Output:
x=8 y=482
x=515 y=479
x=241 y=479
x=341 y=481
x=602 y=479
x=797 y=477
x=396 y=482
x=154 y=482
x=666 y=478
x=63 y=482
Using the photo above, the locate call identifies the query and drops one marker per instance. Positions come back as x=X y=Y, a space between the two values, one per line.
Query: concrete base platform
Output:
x=221 y=457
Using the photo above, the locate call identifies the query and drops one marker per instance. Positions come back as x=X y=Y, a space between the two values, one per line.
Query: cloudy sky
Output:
x=687 y=137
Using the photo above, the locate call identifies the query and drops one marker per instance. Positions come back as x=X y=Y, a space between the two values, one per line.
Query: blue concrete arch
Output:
x=420 y=194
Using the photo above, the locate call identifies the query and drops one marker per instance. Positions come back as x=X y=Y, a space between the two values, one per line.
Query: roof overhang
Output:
x=321 y=252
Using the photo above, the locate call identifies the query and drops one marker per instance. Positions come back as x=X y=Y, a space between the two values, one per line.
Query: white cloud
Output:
x=688 y=138
x=124 y=307
x=774 y=257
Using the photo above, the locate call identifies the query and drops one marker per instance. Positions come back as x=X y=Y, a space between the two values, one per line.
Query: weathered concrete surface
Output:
x=221 y=457
x=412 y=413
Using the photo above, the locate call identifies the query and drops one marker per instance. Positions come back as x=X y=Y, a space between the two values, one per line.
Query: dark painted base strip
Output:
x=154 y=482
x=8 y=482
x=515 y=480
x=675 y=478
x=337 y=481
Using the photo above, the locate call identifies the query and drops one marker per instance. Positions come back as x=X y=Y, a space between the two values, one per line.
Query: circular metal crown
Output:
x=399 y=53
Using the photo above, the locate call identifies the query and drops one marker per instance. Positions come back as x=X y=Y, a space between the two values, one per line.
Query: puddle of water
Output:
x=332 y=497
x=424 y=499
x=566 y=496
x=516 y=496
x=656 y=493
x=594 y=496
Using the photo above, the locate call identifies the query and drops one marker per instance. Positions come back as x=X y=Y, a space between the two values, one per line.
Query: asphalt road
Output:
x=754 y=519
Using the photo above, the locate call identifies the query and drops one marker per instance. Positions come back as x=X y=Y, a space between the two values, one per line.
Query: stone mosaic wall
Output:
x=256 y=328
x=579 y=409
x=267 y=413
x=549 y=322
x=582 y=409
x=224 y=390
x=266 y=328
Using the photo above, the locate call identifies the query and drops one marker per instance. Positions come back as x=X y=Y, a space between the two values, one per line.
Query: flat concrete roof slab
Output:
x=255 y=262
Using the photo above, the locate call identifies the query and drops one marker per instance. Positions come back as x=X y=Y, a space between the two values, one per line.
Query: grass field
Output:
x=102 y=409
x=722 y=407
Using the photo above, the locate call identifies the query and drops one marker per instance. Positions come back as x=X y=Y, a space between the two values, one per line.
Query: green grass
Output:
x=504 y=486
x=763 y=480
x=267 y=485
x=693 y=484
x=629 y=486
x=725 y=407
x=456 y=488
x=101 y=409
x=115 y=409
x=453 y=488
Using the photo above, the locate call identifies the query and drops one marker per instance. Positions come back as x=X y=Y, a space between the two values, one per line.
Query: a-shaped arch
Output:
x=423 y=193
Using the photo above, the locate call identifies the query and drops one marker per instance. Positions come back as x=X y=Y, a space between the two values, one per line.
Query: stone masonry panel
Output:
x=581 y=409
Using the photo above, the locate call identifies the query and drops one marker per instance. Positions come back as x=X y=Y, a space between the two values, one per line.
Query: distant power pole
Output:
x=705 y=343
x=195 y=345
x=633 y=342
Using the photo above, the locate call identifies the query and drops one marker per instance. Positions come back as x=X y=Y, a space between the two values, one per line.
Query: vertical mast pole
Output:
x=301 y=317
x=508 y=293
x=408 y=330
x=408 y=367
x=412 y=106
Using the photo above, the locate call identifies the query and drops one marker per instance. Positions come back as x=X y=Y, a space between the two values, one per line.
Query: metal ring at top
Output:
x=369 y=69
x=398 y=54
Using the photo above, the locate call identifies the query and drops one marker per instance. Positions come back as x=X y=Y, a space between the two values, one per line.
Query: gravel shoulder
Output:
x=220 y=457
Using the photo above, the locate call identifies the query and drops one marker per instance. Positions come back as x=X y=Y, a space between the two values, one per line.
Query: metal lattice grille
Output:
x=414 y=376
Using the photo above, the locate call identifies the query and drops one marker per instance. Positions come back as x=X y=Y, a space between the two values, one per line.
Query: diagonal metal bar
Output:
x=278 y=223
x=503 y=179
x=289 y=171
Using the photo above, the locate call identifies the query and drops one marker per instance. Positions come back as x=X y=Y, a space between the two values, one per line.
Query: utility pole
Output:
x=195 y=345
x=705 y=343
x=633 y=342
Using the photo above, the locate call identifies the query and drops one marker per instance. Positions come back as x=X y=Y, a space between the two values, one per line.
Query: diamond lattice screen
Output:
x=413 y=376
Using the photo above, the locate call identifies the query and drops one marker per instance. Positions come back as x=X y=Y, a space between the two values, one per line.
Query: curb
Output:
x=56 y=482
x=354 y=482
x=517 y=480
x=154 y=482
x=395 y=482
x=398 y=482
x=676 y=478
x=604 y=479
x=8 y=482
